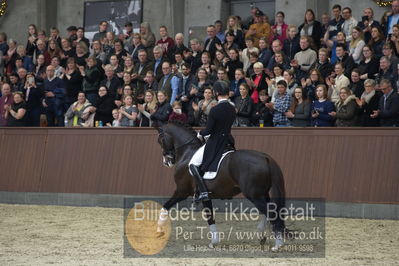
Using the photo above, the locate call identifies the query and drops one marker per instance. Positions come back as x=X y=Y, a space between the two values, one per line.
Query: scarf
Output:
x=307 y=27
x=367 y=96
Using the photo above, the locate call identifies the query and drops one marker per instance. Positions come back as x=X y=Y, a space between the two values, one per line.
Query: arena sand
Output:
x=58 y=235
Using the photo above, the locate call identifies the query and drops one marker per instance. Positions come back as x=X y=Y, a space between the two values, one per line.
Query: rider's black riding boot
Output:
x=203 y=195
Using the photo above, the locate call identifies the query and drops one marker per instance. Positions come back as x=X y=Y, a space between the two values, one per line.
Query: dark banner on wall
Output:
x=116 y=13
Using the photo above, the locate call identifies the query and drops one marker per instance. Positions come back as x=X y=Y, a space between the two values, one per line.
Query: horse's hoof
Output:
x=160 y=234
x=277 y=248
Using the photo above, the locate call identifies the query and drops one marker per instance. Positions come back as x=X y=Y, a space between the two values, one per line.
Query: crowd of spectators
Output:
x=339 y=71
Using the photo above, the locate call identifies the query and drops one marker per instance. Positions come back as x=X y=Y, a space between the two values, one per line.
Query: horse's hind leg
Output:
x=208 y=209
x=275 y=220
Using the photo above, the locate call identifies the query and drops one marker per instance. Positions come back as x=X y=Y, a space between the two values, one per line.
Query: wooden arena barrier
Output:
x=355 y=165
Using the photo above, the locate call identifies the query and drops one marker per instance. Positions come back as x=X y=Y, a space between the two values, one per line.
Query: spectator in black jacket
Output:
x=291 y=44
x=73 y=81
x=368 y=67
x=111 y=82
x=323 y=64
x=103 y=106
x=368 y=23
x=312 y=28
x=387 y=71
x=164 y=109
x=179 y=47
x=32 y=95
x=233 y=63
x=356 y=85
x=345 y=58
x=388 y=107
x=135 y=47
x=244 y=107
x=212 y=42
x=262 y=113
x=368 y=103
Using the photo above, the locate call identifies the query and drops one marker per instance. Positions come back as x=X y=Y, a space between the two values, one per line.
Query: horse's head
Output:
x=168 y=150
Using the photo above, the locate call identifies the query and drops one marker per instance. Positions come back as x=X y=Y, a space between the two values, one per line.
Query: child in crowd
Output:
x=177 y=113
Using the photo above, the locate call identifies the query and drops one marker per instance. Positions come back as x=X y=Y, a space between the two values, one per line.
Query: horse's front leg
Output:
x=164 y=214
x=208 y=209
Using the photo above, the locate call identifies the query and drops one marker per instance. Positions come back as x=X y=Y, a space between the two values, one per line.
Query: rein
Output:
x=186 y=143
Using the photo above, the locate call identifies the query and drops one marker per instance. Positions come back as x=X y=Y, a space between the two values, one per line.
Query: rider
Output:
x=220 y=121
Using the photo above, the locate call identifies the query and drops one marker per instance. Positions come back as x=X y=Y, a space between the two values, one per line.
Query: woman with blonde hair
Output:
x=233 y=25
x=149 y=107
x=356 y=45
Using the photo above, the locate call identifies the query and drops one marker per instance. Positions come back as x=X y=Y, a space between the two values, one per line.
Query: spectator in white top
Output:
x=349 y=23
x=356 y=45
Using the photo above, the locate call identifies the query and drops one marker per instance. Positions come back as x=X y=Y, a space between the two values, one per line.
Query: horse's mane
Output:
x=181 y=124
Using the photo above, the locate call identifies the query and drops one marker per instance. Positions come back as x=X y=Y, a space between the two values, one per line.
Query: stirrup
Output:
x=203 y=196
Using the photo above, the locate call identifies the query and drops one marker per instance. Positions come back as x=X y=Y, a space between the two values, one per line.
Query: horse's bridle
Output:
x=172 y=153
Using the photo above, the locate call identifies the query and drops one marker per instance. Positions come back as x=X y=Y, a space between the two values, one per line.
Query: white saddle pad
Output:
x=212 y=175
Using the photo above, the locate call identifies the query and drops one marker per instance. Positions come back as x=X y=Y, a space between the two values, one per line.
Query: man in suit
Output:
x=212 y=41
x=140 y=70
x=158 y=61
x=388 y=107
x=218 y=127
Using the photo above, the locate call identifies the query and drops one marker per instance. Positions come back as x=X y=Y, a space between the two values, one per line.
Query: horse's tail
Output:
x=277 y=188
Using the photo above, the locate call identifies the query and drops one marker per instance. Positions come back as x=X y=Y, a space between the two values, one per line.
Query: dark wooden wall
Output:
x=345 y=165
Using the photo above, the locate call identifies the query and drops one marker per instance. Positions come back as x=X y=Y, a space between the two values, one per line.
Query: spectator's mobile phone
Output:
x=365 y=18
x=31 y=80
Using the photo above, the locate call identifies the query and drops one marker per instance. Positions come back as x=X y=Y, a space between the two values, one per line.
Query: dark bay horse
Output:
x=253 y=173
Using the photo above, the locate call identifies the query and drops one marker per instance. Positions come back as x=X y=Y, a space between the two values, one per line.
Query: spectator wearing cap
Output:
x=259 y=29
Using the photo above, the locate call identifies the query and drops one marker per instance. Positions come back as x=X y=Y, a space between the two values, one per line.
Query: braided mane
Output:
x=181 y=124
